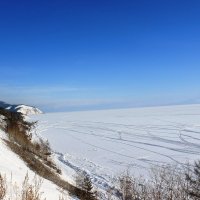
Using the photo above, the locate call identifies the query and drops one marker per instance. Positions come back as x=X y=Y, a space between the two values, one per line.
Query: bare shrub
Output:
x=3 y=188
x=42 y=148
x=164 y=183
x=168 y=182
x=31 y=191
x=109 y=193
x=126 y=185
x=193 y=178
x=63 y=195
x=131 y=188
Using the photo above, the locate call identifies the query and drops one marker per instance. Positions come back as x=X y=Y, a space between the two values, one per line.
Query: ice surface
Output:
x=105 y=143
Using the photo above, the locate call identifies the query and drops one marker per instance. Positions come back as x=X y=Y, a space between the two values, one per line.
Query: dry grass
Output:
x=29 y=190
x=44 y=170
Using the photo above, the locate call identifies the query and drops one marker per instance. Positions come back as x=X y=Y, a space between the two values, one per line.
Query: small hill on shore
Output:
x=21 y=108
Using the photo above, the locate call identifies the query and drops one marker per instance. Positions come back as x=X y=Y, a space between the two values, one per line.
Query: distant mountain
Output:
x=24 y=109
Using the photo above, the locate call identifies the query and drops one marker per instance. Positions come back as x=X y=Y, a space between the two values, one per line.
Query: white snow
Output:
x=27 y=110
x=24 y=109
x=105 y=143
x=12 y=166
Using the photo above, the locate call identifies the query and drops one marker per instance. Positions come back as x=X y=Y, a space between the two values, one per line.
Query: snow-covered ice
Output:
x=105 y=143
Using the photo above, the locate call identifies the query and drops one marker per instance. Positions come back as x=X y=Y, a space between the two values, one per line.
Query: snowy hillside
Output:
x=105 y=143
x=24 y=109
x=27 y=110
x=15 y=170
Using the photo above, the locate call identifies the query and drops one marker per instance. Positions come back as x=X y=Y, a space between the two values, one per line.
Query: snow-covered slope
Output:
x=15 y=170
x=24 y=109
x=27 y=110
x=105 y=143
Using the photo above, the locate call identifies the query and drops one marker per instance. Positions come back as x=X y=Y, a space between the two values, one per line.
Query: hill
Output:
x=23 y=109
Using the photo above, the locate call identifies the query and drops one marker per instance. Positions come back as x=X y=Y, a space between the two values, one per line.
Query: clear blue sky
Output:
x=71 y=55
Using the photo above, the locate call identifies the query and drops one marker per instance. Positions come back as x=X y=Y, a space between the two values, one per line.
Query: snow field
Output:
x=106 y=143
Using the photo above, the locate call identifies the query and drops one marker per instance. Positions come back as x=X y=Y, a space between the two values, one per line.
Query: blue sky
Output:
x=74 y=55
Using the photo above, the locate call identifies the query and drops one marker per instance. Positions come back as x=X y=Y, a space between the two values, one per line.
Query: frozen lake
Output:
x=105 y=143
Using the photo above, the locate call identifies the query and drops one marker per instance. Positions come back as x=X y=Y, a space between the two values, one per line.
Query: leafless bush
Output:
x=164 y=183
x=63 y=195
x=109 y=194
x=127 y=187
x=3 y=187
x=131 y=188
x=31 y=191
x=168 y=183
x=42 y=148
x=193 y=179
